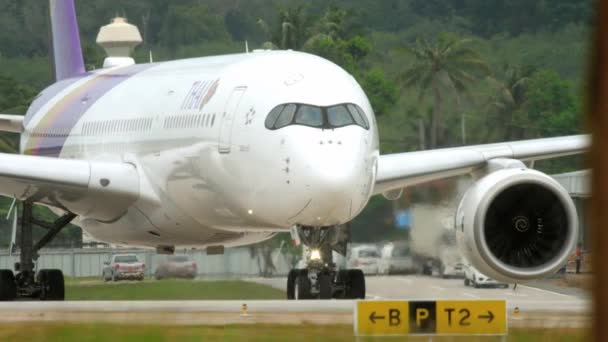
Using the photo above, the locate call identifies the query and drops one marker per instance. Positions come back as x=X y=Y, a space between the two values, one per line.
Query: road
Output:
x=414 y=287
x=536 y=307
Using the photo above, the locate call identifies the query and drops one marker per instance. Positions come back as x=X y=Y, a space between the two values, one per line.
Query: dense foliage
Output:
x=438 y=72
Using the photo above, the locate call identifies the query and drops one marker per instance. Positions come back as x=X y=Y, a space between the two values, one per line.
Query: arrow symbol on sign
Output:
x=373 y=317
x=489 y=316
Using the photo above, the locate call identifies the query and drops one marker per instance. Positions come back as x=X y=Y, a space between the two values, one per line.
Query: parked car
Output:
x=477 y=279
x=396 y=257
x=452 y=263
x=123 y=266
x=364 y=257
x=176 y=266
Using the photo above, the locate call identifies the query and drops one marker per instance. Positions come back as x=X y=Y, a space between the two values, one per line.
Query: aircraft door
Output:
x=228 y=118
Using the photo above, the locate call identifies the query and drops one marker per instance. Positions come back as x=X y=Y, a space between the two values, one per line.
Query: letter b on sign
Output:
x=394 y=317
x=422 y=317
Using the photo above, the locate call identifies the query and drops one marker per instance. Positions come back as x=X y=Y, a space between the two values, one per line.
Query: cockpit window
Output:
x=358 y=115
x=339 y=116
x=330 y=117
x=286 y=116
x=273 y=116
x=309 y=116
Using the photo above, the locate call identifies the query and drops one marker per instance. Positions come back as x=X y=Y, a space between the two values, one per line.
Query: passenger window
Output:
x=338 y=116
x=359 y=116
x=273 y=116
x=309 y=116
x=286 y=116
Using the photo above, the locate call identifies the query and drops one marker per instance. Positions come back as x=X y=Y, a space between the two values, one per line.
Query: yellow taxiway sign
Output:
x=441 y=317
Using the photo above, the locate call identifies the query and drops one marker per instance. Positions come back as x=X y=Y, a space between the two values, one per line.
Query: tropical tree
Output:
x=14 y=99
x=448 y=65
x=551 y=108
x=509 y=97
x=290 y=32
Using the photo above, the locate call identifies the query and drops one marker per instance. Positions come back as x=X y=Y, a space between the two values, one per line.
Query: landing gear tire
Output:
x=466 y=282
x=355 y=286
x=302 y=287
x=475 y=285
x=8 y=288
x=291 y=283
x=325 y=286
x=52 y=285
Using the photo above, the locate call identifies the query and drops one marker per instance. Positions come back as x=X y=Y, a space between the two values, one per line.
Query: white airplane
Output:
x=230 y=150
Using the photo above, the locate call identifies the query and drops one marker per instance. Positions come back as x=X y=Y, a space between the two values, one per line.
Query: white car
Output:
x=365 y=258
x=477 y=279
x=396 y=257
x=123 y=266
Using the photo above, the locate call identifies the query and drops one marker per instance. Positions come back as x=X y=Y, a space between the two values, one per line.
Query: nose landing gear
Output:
x=322 y=279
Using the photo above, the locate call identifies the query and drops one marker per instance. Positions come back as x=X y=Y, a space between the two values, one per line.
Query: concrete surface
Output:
x=537 y=307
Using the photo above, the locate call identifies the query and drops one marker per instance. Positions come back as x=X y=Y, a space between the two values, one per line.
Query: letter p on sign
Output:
x=422 y=314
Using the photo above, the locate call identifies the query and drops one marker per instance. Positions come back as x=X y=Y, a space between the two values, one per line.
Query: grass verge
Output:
x=307 y=333
x=170 y=290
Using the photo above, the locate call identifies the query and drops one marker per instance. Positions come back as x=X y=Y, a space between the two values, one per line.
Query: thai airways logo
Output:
x=200 y=94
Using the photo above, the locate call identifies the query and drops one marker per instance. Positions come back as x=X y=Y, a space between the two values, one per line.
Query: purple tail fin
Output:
x=67 y=53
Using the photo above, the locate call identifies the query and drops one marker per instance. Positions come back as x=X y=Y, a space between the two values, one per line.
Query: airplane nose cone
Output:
x=333 y=180
x=335 y=173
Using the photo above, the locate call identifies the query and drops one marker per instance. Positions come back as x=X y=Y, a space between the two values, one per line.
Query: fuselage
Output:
x=211 y=170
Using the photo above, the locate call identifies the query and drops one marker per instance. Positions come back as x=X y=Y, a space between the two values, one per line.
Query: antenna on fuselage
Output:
x=151 y=58
x=246 y=47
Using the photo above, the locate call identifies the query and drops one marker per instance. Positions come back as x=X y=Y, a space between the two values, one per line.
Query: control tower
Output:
x=118 y=39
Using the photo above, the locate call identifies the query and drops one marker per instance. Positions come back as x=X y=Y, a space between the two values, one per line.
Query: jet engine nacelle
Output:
x=516 y=224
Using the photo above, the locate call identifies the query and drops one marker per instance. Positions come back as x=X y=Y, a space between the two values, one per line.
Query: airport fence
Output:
x=89 y=262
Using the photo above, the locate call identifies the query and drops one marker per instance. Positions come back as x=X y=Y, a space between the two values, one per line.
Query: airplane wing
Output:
x=99 y=190
x=397 y=171
x=11 y=123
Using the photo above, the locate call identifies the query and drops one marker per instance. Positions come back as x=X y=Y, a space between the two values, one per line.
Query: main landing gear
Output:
x=321 y=279
x=47 y=284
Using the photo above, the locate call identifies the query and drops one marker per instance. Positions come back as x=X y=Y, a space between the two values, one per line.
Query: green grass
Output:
x=169 y=290
x=305 y=333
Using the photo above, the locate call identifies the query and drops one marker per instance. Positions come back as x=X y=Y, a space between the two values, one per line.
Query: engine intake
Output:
x=517 y=224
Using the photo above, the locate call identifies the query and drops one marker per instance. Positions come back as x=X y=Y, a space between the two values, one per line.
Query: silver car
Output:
x=365 y=258
x=396 y=258
x=176 y=266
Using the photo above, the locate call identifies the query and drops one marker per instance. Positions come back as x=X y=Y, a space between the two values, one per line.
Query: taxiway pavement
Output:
x=413 y=287
x=536 y=307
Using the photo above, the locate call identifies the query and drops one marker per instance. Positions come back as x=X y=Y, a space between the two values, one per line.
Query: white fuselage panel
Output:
x=211 y=172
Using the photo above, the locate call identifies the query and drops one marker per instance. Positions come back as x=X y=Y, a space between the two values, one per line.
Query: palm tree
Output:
x=447 y=64
x=333 y=23
x=510 y=96
x=291 y=31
